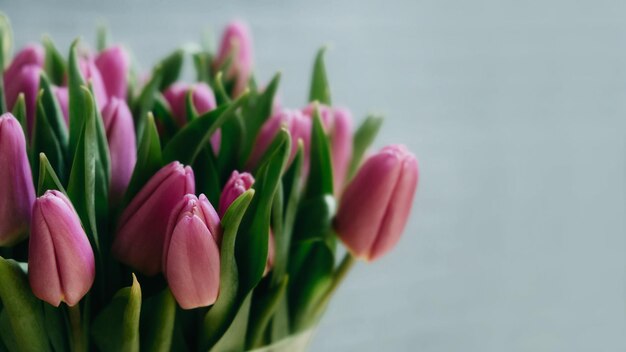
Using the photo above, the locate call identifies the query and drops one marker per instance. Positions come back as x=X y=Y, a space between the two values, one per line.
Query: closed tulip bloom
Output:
x=17 y=193
x=63 y=98
x=120 y=131
x=31 y=55
x=236 y=41
x=142 y=226
x=92 y=75
x=61 y=266
x=26 y=81
x=191 y=255
x=113 y=64
x=376 y=204
x=237 y=184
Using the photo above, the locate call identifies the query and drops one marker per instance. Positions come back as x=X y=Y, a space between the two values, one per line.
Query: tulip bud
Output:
x=31 y=55
x=191 y=255
x=25 y=80
x=299 y=127
x=236 y=41
x=201 y=94
x=142 y=226
x=61 y=265
x=120 y=131
x=237 y=184
x=338 y=124
x=92 y=75
x=113 y=65
x=376 y=204
x=63 y=98
x=17 y=193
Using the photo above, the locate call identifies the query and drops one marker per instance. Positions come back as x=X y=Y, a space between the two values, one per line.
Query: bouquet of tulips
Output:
x=138 y=212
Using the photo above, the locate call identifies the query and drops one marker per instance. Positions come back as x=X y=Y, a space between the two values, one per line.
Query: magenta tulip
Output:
x=236 y=43
x=142 y=226
x=113 y=64
x=17 y=193
x=61 y=266
x=237 y=184
x=63 y=98
x=120 y=131
x=92 y=76
x=25 y=80
x=191 y=255
x=31 y=55
x=376 y=204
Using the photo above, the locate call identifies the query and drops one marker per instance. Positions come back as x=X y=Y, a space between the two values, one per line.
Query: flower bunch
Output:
x=151 y=214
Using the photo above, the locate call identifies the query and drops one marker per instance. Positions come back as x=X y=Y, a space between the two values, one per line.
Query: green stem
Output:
x=342 y=271
x=78 y=345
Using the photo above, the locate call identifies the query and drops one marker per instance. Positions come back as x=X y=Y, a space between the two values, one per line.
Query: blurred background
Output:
x=517 y=113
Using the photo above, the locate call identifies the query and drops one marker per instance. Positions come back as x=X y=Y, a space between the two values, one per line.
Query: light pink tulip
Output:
x=113 y=64
x=376 y=204
x=25 y=80
x=17 y=193
x=191 y=256
x=120 y=131
x=91 y=74
x=236 y=41
x=63 y=98
x=32 y=54
x=61 y=265
x=237 y=184
x=142 y=226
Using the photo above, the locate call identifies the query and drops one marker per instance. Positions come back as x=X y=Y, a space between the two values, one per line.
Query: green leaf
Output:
x=163 y=114
x=45 y=141
x=252 y=242
x=157 y=322
x=235 y=337
x=202 y=61
x=77 y=101
x=171 y=67
x=315 y=217
x=261 y=313
x=363 y=138
x=54 y=64
x=6 y=41
x=320 y=90
x=102 y=37
x=221 y=315
x=220 y=92
x=320 y=179
x=188 y=142
x=19 y=111
x=48 y=179
x=56 y=328
x=190 y=109
x=208 y=179
x=116 y=328
x=23 y=310
x=232 y=134
x=146 y=99
x=53 y=111
x=149 y=159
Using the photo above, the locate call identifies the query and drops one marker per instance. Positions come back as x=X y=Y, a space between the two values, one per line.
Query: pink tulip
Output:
x=63 y=98
x=17 y=193
x=113 y=64
x=236 y=41
x=191 y=255
x=299 y=127
x=338 y=124
x=142 y=226
x=32 y=54
x=61 y=265
x=92 y=75
x=237 y=184
x=120 y=131
x=25 y=80
x=376 y=204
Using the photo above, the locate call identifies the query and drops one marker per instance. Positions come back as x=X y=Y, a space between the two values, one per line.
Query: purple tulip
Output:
x=237 y=184
x=25 y=80
x=191 y=255
x=17 y=193
x=61 y=266
x=338 y=124
x=92 y=74
x=63 y=98
x=31 y=55
x=376 y=204
x=236 y=41
x=299 y=127
x=113 y=64
x=142 y=226
x=120 y=131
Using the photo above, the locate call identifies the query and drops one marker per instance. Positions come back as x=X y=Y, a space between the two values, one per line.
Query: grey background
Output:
x=516 y=111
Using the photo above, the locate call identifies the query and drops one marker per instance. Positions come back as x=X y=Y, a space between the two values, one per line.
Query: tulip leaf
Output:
x=77 y=101
x=56 y=325
x=208 y=180
x=19 y=111
x=232 y=133
x=234 y=339
x=157 y=322
x=53 y=111
x=24 y=312
x=146 y=99
x=252 y=242
x=261 y=313
x=163 y=114
x=6 y=332
x=320 y=179
x=255 y=113
x=320 y=90
x=6 y=45
x=201 y=62
x=171 y=66
x=220 y=92
x=314 y=219
x=188 y=142
x=116 y=328
x=102 y=37
x=363 y=138
x=149 y=159
x=48 y=178
x=45 y=141
x=54 y=64
x=221 y=315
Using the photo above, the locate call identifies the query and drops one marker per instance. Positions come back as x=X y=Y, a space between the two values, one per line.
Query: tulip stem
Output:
x=344 y=267
x=77 y=328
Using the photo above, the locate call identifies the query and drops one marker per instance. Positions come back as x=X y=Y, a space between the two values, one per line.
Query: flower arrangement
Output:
x=151 y=214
